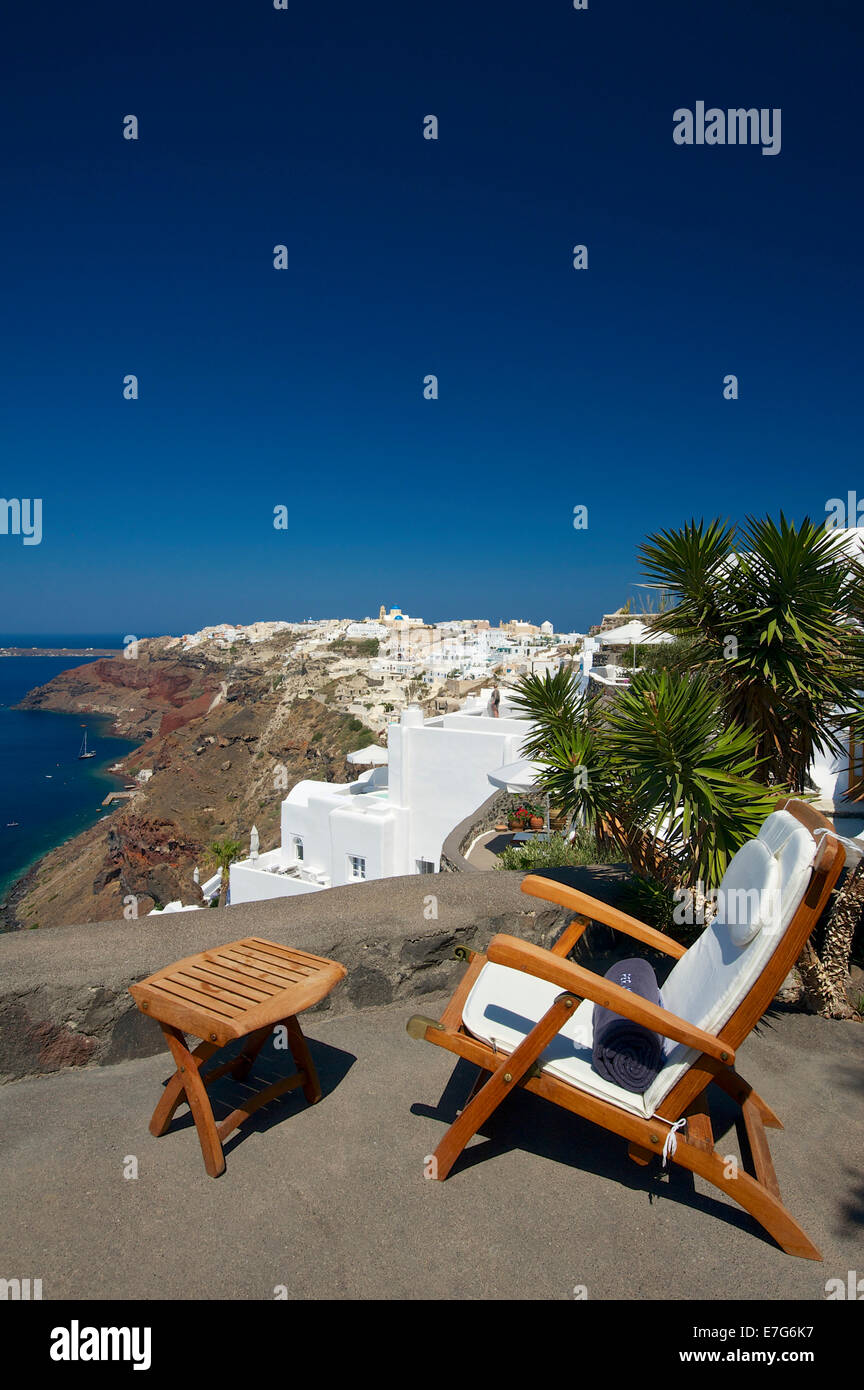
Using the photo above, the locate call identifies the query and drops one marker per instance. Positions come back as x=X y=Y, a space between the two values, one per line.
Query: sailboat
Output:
x=85 y=753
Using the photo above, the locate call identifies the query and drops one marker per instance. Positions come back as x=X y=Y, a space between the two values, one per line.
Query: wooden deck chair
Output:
x=517 y=1015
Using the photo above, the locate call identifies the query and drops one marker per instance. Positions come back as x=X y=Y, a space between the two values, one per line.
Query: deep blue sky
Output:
x=407 y=257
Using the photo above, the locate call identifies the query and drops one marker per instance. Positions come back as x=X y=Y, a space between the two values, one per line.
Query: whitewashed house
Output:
x=394 y=819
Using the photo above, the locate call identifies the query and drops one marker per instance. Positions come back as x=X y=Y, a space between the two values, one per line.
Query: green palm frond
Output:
x=553 y=703
x=690 y=776
x=776 y=622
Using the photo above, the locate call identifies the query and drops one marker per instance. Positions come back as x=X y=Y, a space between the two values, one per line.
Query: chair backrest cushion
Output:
x=794 y=849
x=749 y=895
x=760 y=892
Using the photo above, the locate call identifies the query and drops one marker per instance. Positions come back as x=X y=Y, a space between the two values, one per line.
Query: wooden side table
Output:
x=242 y=990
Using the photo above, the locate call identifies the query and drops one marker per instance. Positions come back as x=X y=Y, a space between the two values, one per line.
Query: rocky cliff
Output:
x=224 y=740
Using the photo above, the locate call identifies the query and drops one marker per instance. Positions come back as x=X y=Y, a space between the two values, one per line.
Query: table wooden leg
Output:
x=303 y=1060
x=196 y=1095
x=228 y=1000
x=251 y=1047
x=175 y=1090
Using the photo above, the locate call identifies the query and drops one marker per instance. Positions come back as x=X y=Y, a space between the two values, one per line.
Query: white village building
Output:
x=394 y=819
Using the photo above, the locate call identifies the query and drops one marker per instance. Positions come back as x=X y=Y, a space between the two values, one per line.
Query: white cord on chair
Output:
x=855 y=846
x=671 y=1142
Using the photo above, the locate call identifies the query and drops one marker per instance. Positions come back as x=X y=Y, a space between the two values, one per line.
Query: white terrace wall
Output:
x=441 y=772
x=257 y=886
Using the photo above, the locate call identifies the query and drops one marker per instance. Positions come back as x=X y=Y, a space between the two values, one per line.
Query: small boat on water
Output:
x=85 y=753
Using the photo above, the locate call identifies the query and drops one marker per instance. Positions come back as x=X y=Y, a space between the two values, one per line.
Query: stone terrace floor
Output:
x=331 y=1200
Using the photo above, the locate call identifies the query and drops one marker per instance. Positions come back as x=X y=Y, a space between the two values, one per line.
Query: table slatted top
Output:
x=230 y=991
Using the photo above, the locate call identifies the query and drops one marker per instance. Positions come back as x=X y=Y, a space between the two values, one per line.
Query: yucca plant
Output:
x=690 y=776
x=771 y=612
x=654 y=770
x=564 y=739
x=553 y=700
x=774 y=614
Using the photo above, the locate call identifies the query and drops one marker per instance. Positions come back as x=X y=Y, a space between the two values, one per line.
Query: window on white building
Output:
x=425 y=866
x=356 y=866
x=298 y=847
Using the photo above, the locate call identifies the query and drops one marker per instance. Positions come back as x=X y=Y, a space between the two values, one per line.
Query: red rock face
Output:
x=138 y=693
x=212 y=778
x=193 y=709
x=164 y=683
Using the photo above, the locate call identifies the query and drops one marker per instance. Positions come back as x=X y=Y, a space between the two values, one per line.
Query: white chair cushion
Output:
x=504 y=1005
x=749 y=897
x=705 y=986
x=795 y=849
x=708 y=983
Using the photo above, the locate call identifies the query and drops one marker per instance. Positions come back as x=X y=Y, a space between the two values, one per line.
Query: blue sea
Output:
x=46 y=794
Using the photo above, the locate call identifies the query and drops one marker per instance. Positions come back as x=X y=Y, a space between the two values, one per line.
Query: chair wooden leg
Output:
x=740 y=1090
x=188 y=1068
x=475 y=1087
x=759 y=1150
x=699 y=1132
x=639 y=1155
x=699 y=1129
x=754 y=1196
x=303 y=1060
x=500 y=1084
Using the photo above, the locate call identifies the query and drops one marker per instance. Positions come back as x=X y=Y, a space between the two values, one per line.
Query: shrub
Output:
x=356 y=646
x=556 y=852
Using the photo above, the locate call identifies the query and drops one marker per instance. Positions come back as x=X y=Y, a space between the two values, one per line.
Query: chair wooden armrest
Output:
x=598 y=911
x=545 y=965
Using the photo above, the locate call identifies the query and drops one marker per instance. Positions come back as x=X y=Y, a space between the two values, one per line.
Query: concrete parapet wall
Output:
x=497 y=807
x=63 y=990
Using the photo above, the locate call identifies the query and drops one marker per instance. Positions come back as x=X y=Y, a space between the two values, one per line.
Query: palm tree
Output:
x=776 y=618
x=655 y=769
x=690 y=776
x=771 y=613
x=225 y=852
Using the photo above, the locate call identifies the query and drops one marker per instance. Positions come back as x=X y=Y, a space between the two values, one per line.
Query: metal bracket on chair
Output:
x=464 y=953
x=417 y=1025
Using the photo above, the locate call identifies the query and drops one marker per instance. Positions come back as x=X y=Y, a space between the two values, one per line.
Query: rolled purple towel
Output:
x=624 y=1052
